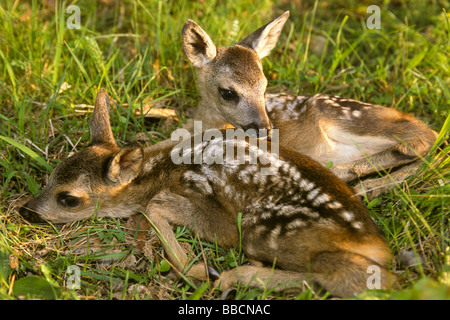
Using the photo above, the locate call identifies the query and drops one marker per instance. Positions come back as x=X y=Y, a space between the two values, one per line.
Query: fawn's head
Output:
x=231 y=79
x=89 y=178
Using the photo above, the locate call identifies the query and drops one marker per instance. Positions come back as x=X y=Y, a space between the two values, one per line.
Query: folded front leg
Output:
x=372 y=188
x=164 y=211
x=394 y=157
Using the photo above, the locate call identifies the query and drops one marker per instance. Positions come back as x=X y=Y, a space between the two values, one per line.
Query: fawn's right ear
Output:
x=126 y=165
x=100 y=126
x=198 y=46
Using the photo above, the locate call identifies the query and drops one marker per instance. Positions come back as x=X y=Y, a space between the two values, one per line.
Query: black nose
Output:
x=261 y=132
x=30 y=215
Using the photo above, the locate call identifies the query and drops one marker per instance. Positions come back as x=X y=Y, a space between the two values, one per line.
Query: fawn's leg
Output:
x=262 y=278
x=162 y=216
x=391 y=158
x=372 y=188
x=205 y=217
x=341 y=273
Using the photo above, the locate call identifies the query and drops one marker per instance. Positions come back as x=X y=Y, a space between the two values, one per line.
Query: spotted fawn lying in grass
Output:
x=358 y=138
x=299 y=222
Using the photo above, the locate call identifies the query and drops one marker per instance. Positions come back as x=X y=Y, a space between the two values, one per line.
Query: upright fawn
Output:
x=302 y=219
x=358 y=138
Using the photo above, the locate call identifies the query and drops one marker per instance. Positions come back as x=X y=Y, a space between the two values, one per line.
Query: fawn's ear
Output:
x=126 y=165
x=198 y=46
x=100 y=126
x=265 y=38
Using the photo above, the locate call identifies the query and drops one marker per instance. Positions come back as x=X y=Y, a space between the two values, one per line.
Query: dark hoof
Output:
x=226 y=293
x=213 y=273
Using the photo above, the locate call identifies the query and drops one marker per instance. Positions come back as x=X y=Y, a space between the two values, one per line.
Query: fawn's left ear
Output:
x=126 y=165
x=265 y=38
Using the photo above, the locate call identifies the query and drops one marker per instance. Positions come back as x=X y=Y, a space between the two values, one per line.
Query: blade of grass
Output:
x=28 y=151
x=59 y=25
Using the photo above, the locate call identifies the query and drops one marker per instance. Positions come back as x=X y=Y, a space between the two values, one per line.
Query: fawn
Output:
x=358 y=138
x=303 y=220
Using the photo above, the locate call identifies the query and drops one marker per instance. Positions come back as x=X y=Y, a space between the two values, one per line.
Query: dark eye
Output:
x=229 y=95
x=66 y=200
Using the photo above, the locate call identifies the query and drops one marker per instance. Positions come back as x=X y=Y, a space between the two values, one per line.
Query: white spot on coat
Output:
x=323 y=198
x=347 y=216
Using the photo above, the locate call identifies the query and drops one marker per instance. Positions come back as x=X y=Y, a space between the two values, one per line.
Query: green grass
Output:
x=133 y=49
